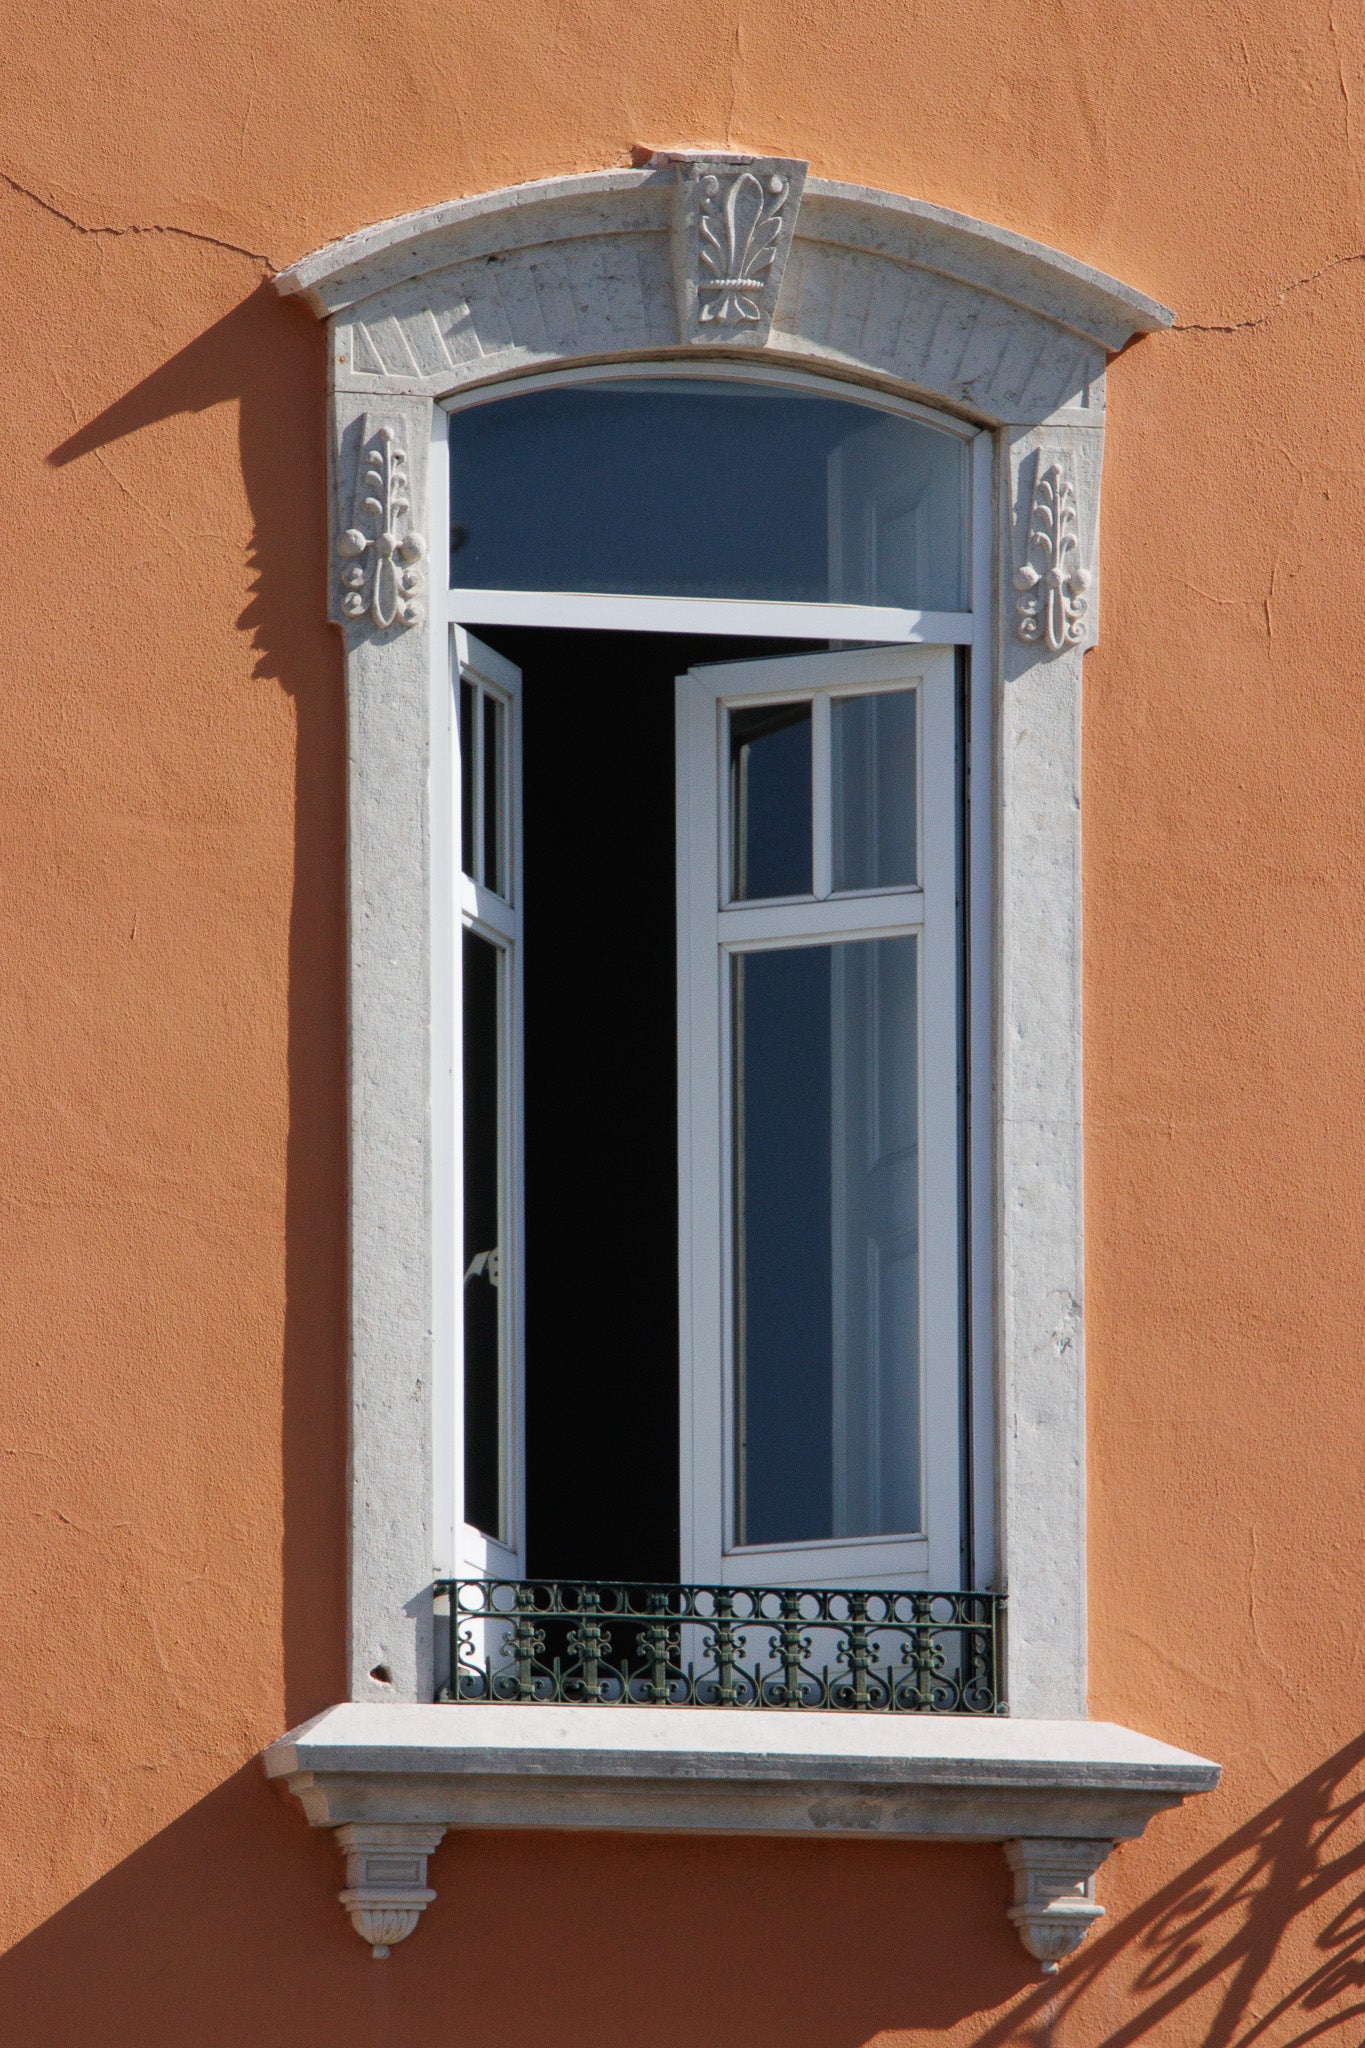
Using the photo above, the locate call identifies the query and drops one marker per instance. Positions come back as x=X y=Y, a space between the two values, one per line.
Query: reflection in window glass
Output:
x=468 y=699
x=770 y=801
x=494 y=720
x=826 y=1164
x=896 y=525
x=484 y=811
x=708 y=488
x=484 y=1322
x=872 y=748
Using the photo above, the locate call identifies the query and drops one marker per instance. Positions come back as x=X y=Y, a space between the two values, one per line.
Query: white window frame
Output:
x=458 y=1549
x=463 y=903
x=712 y=929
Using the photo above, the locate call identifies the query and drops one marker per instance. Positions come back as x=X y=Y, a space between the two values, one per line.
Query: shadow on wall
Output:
x=270 y=359
x=1261 y=1941
x=225 y=1930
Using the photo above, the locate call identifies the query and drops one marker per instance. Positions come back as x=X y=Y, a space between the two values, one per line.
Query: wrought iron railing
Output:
x=581 y=1643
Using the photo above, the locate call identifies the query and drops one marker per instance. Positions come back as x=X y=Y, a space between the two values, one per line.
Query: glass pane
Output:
x=872 y=745
x=826 y=1167
x=483 y=1206
x=468 y=700
x=708 y=488
x=897 y=525
x=494 y=719
x=770 y=801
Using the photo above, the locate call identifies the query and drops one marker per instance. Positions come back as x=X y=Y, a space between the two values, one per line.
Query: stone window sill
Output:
x=1057 y=1794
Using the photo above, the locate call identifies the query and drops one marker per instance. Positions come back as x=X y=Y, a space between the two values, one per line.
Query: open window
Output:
x=639 y=486
x=486 y=1057
x=820 y=1118
x=709 y=781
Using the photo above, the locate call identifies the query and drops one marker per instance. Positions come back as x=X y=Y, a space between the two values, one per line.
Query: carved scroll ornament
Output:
x=1052 y=608
x=382 y=579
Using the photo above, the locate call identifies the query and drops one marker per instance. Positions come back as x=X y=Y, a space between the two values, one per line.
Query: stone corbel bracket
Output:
x=1054 y=1894
x=1056 y=1794
x=386 y=1879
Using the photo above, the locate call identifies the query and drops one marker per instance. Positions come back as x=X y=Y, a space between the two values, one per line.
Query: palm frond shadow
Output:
x=1229 y=1933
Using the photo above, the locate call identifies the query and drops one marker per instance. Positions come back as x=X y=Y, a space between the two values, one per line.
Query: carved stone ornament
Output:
x=386 y=1878
x=382 y=552
x=1052 y=607
x=1054 y=1894
x=733 y=229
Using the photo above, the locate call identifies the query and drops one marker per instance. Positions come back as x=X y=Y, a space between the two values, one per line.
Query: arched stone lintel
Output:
x=597 y=267
x=548 y=210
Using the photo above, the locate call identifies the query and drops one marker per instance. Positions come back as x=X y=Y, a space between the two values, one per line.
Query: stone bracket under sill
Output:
x=1057 y=1795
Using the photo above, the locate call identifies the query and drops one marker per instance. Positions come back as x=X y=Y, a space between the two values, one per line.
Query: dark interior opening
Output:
x=601 y=1118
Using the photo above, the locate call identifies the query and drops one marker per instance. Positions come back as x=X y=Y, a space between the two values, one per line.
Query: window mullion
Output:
x=481 y=908
x=822 y=798
x=840 y=917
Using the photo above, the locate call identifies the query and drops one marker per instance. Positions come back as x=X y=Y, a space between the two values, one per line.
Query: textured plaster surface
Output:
x=172 y=1199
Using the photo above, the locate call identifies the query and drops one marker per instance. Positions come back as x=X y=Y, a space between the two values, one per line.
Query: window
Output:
x=710 y=990
x=708 y=487
x=820 y=1106
x=890 y=306
x=635 y=556
x=489 y=1230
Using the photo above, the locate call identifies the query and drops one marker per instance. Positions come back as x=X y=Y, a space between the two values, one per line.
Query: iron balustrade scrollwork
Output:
x=581 y=1643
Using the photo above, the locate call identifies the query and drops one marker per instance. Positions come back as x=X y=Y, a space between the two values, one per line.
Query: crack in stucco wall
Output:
x=136 y=227
x=1286 y=292
x=269 y=264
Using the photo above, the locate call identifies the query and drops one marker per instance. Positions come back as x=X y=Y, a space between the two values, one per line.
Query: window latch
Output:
x=489 y=1264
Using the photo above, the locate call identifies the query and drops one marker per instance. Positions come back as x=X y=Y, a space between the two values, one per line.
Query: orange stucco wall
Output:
x=171 y=1033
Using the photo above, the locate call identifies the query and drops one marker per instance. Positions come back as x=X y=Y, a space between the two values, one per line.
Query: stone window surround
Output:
x=925 y=304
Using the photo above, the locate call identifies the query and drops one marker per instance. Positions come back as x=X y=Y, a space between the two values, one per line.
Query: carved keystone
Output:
x=386 y=1878
x=732 y=230
x=1054 y=1894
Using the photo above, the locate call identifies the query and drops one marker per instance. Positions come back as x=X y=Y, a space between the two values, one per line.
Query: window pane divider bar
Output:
x=760 y=924
x=480 y=906
x=600 y=611
x=822 y=797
